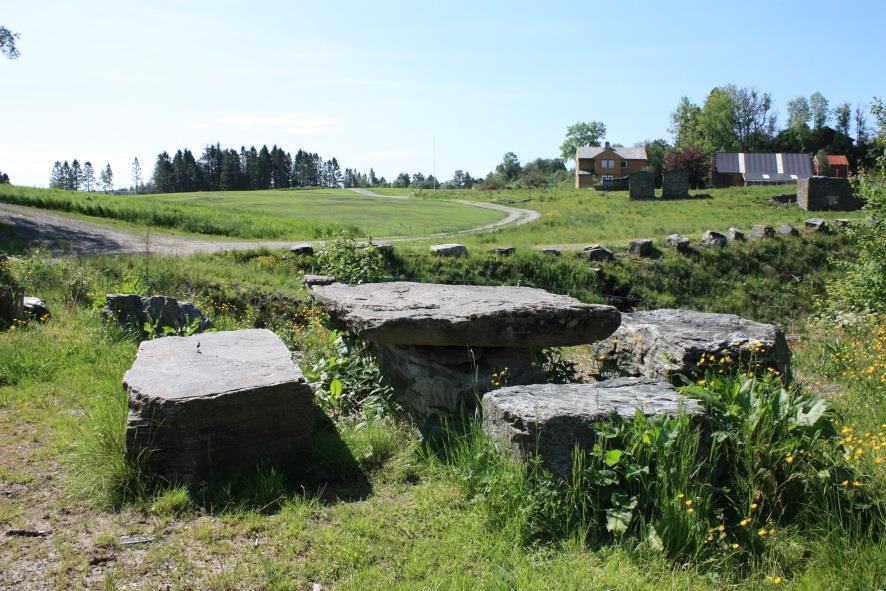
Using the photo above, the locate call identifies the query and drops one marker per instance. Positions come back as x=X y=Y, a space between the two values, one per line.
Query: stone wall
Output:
x=612 y=185
x=675 y=184
x=642 y=185
x=821 y=193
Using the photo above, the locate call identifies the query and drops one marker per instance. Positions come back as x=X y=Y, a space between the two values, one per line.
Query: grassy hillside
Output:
x=292 y=214
x=576 y=217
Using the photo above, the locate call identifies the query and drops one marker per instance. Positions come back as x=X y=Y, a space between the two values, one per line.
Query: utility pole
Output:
x=435 y=162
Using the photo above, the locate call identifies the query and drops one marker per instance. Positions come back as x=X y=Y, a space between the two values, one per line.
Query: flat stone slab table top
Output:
x=666 y=343
x=428 y=314
x=552 y=418
x=215 y=401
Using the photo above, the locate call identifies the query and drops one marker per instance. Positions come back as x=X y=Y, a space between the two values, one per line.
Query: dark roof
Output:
x=757 y=164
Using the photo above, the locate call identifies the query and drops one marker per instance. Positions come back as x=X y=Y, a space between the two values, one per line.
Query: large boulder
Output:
x=642 y=247
x=679 y=242
x=302 y=249
x=502 y=250
x=36 y=308
x=595 y=252
x=551 y=419
x=550 y=251
x=449 y=250
x=817 y=225
x=665 y=344
x=216 y=402
x=429 y=314
x=735 y=234
x=787 y=230
x=761 y=231
x=711 y=238
x=158 y=311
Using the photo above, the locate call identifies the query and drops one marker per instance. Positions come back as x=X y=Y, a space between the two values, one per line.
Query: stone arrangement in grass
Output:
x=552 y=419
x=440 y=345
x=666 y=344
x=158 y=311
x=216 y=402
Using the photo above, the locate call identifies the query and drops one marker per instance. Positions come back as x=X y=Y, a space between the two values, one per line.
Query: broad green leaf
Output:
x=335 y=388
x=807 y=419
x=612 y=457
x=617 y=520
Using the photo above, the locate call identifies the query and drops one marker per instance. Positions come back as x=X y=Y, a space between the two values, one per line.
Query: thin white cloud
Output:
x=289 y=122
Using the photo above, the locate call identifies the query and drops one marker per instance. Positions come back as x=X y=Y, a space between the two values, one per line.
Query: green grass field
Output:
x=275 y=214
x=572 y=218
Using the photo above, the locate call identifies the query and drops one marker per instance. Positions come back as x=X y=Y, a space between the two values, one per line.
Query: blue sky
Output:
x=374 y=83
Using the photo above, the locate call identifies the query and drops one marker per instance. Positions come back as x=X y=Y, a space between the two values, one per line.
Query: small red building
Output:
x=839 y=166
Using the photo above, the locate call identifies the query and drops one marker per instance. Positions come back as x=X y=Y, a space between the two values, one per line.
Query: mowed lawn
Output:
x=274 y=214
x=572 y=218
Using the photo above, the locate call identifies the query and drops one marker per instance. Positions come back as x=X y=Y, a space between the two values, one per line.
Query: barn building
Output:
x=730 y=169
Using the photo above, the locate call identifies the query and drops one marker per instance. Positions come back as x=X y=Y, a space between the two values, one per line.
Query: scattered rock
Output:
x=711 y=238
x=554 y=252
x=817 y=225
x=36 y=308
x=28 y=533
x=761 y=231
x=642 y=247
x=134 y=540
x=679 y=242
x=735 y=234
x=595 y=252
x=842 y=222
x=302 y=249
x=383 y=246
x=787 y=230
x=449 y=250
x=430 y=314
x=503 y=250
x=215 y=402
x=784 y=199
x=664 y=344
x=318 y=280
x=551 y=419
x=160 y=311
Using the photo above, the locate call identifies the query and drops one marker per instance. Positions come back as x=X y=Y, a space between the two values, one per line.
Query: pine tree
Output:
x=232 y=177
x=263 y=169
x=76 y=175
x=211 y=162
x=333 y=174
x=67 y=183
x=196 y=182
x=57 y=178
x=136 y=175
x=164 y=175
x=373 y=180
x=88 y=177
x=107 y=178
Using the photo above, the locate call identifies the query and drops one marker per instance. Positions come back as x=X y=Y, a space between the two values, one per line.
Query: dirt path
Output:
x=65 y=236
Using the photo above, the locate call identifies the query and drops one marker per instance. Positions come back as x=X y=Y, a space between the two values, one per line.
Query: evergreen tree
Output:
x=164 y=175
x=281 y=165
x=211 y=162
x=57 y=178
x=136 y=175
x=263 y=169
x=107 y=178
x=76 y=176
x=4 y=178
x=88 y=177
x=333 y=174
x=373 y=180
x=67 y=183
x=194 y=173
x=179 y=173
x=232 y=177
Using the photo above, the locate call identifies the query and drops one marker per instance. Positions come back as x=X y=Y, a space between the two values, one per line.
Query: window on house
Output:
x=608 y=164
x=624 y=163
x=607 y=177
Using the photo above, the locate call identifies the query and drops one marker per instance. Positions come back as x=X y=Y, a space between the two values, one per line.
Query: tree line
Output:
x=74 y=177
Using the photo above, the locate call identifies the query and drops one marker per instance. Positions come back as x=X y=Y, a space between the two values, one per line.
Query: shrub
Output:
x=350 y=262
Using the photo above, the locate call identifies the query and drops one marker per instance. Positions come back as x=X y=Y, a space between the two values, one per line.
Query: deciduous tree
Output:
x=107 y=178
x=581 y=134
x=88 y=177
x=819 y=106
x=7 y=43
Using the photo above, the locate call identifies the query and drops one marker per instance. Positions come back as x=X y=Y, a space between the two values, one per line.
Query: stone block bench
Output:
x=439 y=345
x=216 y=402
x=551 y=419
x=663 y=344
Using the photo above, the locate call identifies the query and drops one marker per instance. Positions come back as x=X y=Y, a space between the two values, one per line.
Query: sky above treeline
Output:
x=381 y=84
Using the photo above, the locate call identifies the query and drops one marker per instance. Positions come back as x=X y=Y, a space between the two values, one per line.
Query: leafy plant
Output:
x=350 y=381
x=350 y=262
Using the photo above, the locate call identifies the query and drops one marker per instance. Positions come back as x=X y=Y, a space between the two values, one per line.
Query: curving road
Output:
x=66 y=236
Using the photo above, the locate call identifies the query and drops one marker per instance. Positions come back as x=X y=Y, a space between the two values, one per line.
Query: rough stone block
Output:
x=503 y=250
x=787 y=230
x=449 y=250
x=679 y=242
x=302 y=249
x=216 y=402
x=761 y=231
x=666 y=343
x=159 y=311
x=554 y=252
x=595 y=252
x=675 y=184
x=711 y=238
x=551 y=419
x=641 y=185
x=642 y=247
x=826 y=193
x=818 y=225
x=735 y=234
x=35 y=308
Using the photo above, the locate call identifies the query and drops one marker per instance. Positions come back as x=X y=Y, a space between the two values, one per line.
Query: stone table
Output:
x=441 y=346
x=216 y=402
